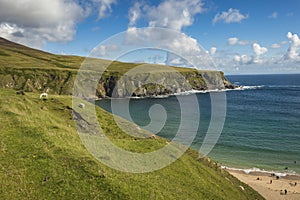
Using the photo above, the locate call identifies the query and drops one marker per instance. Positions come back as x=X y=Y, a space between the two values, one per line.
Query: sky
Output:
x=238 y=36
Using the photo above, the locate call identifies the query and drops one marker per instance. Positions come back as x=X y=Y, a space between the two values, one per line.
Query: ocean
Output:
x=262 y=126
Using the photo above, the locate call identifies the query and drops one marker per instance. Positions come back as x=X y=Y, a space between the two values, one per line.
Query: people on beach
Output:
x=285 y=192
x=272 y=174
x=270 y=181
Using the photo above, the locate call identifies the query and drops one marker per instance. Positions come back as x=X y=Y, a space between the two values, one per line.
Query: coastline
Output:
x=270 y=187
x=189 y=92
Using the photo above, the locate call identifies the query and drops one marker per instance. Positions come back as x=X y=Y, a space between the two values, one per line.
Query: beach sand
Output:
x=274 y=190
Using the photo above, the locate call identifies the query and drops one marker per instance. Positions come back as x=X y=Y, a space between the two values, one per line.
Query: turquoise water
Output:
x=262 y=127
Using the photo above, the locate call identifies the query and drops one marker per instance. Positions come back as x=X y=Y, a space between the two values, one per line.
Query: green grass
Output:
x=31 y=70
x=17 y=56
x=42 y=157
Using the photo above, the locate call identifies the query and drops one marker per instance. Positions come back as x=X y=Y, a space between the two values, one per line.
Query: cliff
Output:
x=31 y=70
x=163 y=83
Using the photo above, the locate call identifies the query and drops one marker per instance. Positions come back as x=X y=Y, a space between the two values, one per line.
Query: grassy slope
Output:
x=42 y=157
x=13 y=55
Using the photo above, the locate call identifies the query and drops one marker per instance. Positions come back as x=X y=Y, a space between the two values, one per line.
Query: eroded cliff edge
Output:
x=113 y=84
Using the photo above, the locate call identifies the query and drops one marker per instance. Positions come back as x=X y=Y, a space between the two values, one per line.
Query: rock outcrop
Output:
x=114 y=84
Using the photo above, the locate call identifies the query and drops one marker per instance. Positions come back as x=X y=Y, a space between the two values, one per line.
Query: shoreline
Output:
x=254 y=170
x=185 y=93
x=270 y=187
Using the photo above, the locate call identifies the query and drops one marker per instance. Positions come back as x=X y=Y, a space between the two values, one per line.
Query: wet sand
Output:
x=274 y=190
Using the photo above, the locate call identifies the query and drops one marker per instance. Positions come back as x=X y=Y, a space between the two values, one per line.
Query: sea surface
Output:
x=262 y=126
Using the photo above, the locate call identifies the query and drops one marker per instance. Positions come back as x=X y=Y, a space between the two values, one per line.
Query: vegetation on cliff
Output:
x=31 y=70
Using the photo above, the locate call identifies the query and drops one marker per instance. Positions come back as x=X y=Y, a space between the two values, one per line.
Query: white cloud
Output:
x=275 y=46
x=174 y=14
x=35 y=22
x=274 y=15
x=293 y=53
x=104 y=50
x=258 y=50
x=242 y=59
x=163 y=38
x=235 y=41
x=237 y=58
x=213 y=51
x=246 y=59
x=171 y=14
x=104 y=7
x=231 y=16
x=185 y=46
x=254 y=59
x=134 y=13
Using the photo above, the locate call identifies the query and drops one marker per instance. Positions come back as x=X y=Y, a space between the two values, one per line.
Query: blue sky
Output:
x=241 y=36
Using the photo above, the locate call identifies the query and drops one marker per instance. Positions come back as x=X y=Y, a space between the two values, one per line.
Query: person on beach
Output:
x=285 y=192
x=270 y=181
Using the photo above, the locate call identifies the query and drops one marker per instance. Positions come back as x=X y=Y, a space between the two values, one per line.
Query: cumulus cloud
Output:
x=274 y=15
x=213 y=51
x=242 y=59
x=293 y=53
x=174 y=41
x=235 y=41
x=163 y=38
x=258 y=50
x=104 y=7
x=174 y=14
x=35 y=22
x=104 y=50
x=134 y=13
x=231 y=16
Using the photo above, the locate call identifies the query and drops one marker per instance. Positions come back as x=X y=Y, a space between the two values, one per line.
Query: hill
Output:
x=42 y=157
x=31 y=70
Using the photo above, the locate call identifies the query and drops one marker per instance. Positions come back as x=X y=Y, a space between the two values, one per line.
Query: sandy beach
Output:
x=269 y=186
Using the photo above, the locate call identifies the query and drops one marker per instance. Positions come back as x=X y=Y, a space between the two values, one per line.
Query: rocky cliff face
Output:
x=114 y=84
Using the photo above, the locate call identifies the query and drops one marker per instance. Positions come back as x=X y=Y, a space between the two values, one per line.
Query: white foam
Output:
x=250 y=87
x=254 y=169
x=190 y=92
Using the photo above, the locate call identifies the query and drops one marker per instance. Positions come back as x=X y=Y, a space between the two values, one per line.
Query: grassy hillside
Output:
x=42 y=157
x=24 y=68
x=17 y=56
